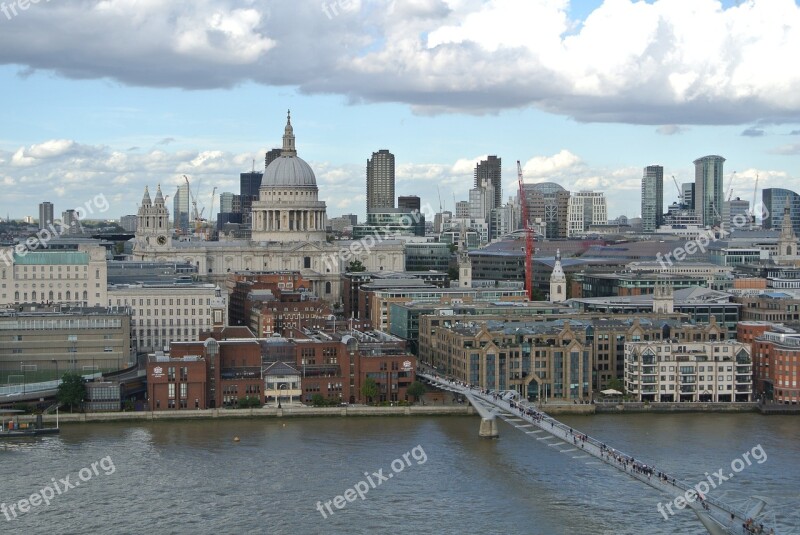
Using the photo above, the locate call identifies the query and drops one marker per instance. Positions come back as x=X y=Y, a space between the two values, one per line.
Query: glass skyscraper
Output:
x=652 y=198
x=708 y=192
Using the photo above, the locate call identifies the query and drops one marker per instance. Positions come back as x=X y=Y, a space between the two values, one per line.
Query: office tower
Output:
x=380 y=181
x=226 y=202
x=687 y=189
x=652 y=198
x=548 y=202
x=490 y=171
x=585 y=208
x=736 y=214
x=70 y=220
x=708 y=192
x=271 y=156
x=410 y=203
x=462 y=210
x=249 y=184
x=180 y=208
x=128 y=223
x=481 y=201
x=774 y=202
x=45 y=214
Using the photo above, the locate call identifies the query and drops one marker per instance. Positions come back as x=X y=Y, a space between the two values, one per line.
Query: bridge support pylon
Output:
x=488 y=428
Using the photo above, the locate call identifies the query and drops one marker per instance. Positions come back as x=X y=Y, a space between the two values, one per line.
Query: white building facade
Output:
x=665 y=371
x=165 y=313
x=585 y=208
x=71 y=277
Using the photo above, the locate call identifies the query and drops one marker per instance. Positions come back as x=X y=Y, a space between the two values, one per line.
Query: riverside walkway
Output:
x=717 y=517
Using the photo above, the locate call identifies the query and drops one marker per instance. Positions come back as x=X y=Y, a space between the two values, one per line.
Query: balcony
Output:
x=649 y=379
x=746 y=389
x=688 y=389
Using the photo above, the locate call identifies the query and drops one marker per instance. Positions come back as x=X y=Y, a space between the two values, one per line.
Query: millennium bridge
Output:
x=717 y=517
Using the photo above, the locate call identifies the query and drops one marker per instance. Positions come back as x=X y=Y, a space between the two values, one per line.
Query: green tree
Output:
x=369 y=389
x=355 y=266
x=318 y=401
x=616 y=384
x=416 y=389
x=72 y=390
x=452 y=273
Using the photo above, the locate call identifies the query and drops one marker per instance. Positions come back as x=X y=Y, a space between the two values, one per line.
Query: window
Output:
x=307 y=262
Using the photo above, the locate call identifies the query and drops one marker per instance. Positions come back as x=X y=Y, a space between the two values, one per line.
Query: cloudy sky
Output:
x=106 y=96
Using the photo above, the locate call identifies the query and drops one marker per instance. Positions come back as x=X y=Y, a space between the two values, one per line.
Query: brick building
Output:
x=777 y=363
x=219 y=371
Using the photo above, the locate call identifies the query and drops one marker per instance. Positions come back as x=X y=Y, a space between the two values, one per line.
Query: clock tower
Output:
x=152 y=228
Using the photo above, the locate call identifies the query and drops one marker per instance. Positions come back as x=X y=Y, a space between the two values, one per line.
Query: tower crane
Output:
x=680 y=191
x=528 y=234
x=753 y=209
x=730 y=186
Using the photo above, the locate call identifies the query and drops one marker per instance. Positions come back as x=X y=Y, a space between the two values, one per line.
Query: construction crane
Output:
x=730 y=186
x=753 y=209
x=196 y=215
x=680 y=191
x=523 y=201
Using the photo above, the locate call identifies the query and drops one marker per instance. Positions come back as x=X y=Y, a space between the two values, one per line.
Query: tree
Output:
x=452 y=273
x=369 y=389
x=72 y=390
x=318 y=401
x=356 y=266
x=416 y=389
x=616 y=384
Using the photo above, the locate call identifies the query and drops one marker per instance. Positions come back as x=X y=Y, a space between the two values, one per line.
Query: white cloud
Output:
x=658 y=62
x=548 y=166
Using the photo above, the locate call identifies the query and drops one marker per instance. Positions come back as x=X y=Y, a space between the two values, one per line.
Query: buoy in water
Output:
x=236 y=439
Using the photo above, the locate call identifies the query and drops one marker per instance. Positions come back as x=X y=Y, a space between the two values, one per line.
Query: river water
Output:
x=192 y=477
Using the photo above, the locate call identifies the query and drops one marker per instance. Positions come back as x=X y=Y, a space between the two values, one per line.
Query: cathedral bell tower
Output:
x=152 y=222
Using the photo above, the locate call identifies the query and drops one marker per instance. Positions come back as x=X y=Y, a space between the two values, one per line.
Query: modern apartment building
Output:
x=380 y=181
x=669 y=370
x=45 y=214
x=652 y=198
x=708 y=189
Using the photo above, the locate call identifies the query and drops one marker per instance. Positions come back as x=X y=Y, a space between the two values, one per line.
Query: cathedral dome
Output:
x=288 y=170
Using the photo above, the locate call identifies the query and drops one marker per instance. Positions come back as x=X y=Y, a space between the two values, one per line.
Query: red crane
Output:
x=526 y=222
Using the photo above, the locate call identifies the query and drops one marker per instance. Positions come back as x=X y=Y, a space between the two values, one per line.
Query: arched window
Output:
x=85 y=295
x=327 y=287
x=50 y=296
x=16 y=296
x=33 y=296
x=788 y=250
x=69 y=295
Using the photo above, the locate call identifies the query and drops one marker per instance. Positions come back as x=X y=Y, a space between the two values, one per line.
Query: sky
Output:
x=108 y=96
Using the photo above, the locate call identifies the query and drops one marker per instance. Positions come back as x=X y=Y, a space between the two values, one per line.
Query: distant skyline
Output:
x=107 y=97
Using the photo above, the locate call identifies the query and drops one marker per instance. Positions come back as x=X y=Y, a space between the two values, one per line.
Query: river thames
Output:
x=192 y=477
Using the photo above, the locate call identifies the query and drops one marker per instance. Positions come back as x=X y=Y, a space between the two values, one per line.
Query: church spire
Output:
x=288 y=137
x=159 y=197
x=146 y=202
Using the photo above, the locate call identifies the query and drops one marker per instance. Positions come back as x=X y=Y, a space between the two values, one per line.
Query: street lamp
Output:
x=281 y=387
